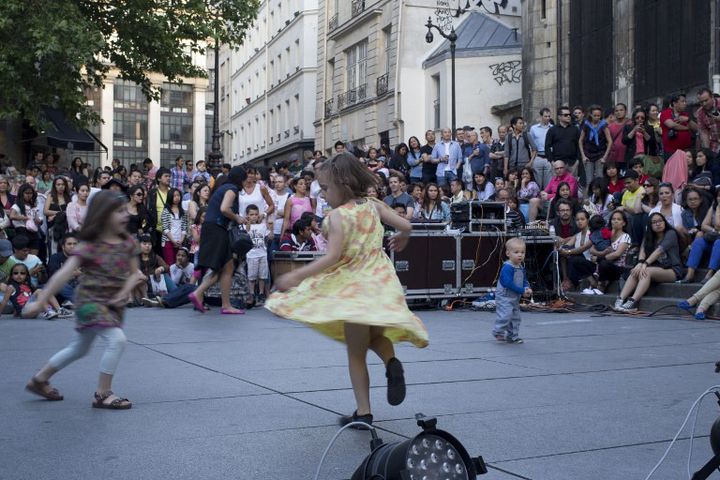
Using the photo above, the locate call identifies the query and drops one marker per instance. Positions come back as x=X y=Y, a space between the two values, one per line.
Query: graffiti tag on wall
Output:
x=506 y=72
x=443 y=15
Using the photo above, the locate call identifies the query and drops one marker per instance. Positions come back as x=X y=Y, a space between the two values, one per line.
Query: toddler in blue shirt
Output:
x=512 y=285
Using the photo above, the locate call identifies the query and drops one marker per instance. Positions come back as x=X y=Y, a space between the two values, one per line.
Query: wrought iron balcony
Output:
x=333 y=23
x=381 y=86
x=287 y=133
x=352 y=96
x=329 y=107
x=296 y=129
x=358 y=6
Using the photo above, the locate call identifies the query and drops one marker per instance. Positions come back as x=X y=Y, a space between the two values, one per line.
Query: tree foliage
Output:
x=53 y=51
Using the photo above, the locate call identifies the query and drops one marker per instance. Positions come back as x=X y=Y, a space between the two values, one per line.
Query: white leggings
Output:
x=81 y=344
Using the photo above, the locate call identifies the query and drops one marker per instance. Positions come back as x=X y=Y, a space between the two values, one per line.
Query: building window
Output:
x=130 y=123
x=356 y=65
x=94 y=102
x=387 y=32
x=176 y=123
x=208 y=132
x=436 y=101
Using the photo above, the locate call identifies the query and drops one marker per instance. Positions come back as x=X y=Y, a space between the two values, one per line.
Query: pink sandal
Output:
x=196 y=303
x=232 y=311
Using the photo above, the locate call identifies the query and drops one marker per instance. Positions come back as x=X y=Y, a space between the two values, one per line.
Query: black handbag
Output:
x=240 y=241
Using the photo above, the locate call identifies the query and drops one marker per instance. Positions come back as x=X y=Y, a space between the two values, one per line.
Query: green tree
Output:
x=51 y=52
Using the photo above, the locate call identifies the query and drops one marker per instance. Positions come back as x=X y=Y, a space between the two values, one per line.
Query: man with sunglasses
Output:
x=562 y=141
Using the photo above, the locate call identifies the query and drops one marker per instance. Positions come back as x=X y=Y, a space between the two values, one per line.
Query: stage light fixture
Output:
x=431 y=455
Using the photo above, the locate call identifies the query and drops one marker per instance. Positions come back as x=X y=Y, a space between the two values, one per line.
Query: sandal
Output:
x=395 y=382
x=367 y=419
x=196 y=302
x=43 y=389
x=232 y=311
x=117 y=404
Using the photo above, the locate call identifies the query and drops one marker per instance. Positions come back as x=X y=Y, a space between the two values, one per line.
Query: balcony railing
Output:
x=329 y=107
x=352 y=96
x=287 y=133
x=296 y=129
x=381 y=86
x=358 y=6
x=333 y=23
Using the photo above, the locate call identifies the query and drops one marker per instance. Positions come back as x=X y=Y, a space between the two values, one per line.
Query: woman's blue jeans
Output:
x=698 y=248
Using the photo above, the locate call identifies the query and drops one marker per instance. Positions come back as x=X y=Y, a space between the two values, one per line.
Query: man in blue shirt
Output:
x=478 y=154
x=448 y=156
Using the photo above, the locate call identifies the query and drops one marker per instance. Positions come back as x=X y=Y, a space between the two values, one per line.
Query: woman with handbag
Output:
x=215 y=247
x=26 y=218
x=55 y=207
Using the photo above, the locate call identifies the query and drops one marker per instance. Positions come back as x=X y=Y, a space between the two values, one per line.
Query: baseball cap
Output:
x=6 y=249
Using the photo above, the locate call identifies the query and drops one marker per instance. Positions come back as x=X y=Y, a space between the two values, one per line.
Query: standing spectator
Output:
x=7 y=199
x=339 y=147
x=578 y=116
x=497 y=151
x=519 y=147
x=189 y=175
x=397 y=196
x=658 y=261
x=677 y=126
x=654 y=122
x=638 y=138
x=54 y=211
x=617 y=152
x=279 y=196
x=297 y=203
x=200 y=199
x=562 y=142
x=512 y=285
x=135 y=178
x=77 y=208
x=708 y=120
x=156 y=200
x=447 y=155
x=538 y=134
x=595 y=143
x=478 y=156
x=202 y=174
x=78 y=172
x=150 y=172
x=178 y=176
x=429 y=167
x=174 y=226
x=139 y=222
x=257 y=258
x=415 y=160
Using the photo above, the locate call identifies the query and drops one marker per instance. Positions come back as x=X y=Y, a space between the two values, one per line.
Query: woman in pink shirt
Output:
x=297 y=204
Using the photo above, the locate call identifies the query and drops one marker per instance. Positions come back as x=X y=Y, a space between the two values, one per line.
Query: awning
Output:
x=63 y=134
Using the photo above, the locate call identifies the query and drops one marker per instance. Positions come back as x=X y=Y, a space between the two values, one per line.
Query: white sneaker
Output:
x=149 y=302
x=618 y=303
x=588 y=291
x=598 y=291
x=49 y=315
x=65 y=313
x=630 y=305
x=68 y=304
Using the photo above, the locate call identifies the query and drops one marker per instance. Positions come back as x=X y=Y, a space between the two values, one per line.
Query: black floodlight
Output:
x=431 y=455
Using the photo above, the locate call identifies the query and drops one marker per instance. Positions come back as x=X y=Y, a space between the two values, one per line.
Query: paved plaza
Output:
x=256 y=397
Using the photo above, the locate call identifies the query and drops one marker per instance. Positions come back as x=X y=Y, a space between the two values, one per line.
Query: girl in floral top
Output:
x=108 y=258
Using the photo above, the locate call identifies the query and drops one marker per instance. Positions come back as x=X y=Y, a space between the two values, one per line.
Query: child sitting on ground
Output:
x=512 y=285
x=153 y=267
x=599 y=233
x=257 y=257
x=20 y=291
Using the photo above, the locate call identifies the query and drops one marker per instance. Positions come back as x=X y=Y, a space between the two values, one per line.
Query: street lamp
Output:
x=452 y=38
x=215 y=156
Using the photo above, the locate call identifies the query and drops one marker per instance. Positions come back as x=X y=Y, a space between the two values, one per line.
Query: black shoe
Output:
x=260 y=300
x=345 y=419
x=395 y=382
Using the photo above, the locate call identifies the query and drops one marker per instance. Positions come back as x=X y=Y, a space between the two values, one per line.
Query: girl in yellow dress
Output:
x=352 y=293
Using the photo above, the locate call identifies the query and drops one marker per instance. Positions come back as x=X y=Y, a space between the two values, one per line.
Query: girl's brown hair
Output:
x=99 y=212
x=350 y=174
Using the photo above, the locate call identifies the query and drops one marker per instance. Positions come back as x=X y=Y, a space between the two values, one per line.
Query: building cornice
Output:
x=352 y=23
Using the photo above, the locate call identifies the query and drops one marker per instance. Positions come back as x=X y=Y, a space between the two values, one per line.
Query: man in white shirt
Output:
x=447 y=154
x=540 y=165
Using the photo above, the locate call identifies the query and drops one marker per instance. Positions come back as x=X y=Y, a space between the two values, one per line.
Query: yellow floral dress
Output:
x=362 y=288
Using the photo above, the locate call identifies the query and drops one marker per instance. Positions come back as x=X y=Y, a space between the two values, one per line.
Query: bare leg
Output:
x=357 y=338
x=629 y=287
x=207 y=282
x=46 y=373
x=226 y=278
x=380 y=344
x=534 y=205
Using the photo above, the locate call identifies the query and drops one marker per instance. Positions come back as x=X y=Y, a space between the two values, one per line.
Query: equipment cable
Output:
x=335 y=437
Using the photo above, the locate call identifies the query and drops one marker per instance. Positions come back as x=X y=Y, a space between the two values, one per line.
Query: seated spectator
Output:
x=299 y=239
x=615 y=184
x=180 y=283
x=650 y=197
x=703 y=174
x=482 y=189
x=561 y=176
x=707 y=239
x=637 y=165
x=631 y=204
x=21 y=247
x=317 y=234
x=563 y=226
x=155 y=269
x=457 y=192
x=182 y=272
x=600 y=202
x=695 y=209
x=399 y=209
x=563 y=193
x=611 y=261
x=21 y=291
x=6 y=264
x=417 y=193
x=513 y=181
x=433 y=208
x=574 y=253
x=55 y=263
x=527 y=190
x=670 y=210
x=514 y=220
x=397 y=195
x=658 y=261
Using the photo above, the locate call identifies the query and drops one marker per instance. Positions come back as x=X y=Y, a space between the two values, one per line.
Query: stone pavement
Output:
x=256 y=397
